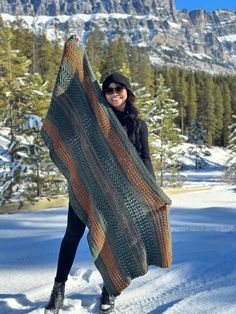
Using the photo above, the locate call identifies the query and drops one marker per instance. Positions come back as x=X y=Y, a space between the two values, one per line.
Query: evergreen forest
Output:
x=187 y=100
x=210 y=99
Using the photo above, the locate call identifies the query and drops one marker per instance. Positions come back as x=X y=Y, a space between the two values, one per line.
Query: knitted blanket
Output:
x=109 y=187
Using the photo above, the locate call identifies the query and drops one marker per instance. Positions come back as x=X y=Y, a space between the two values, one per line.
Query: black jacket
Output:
x=143 y=136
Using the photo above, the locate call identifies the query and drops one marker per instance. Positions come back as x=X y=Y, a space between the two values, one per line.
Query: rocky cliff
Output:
x=70 y=7
x=197 y=39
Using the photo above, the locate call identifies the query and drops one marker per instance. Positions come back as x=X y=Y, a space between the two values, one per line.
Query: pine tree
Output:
x=21 y=92
x=176 y=89
x=200 y=88
x=12 y=87
x=44 y=179
x=115 y=59
x=191 y=108
x=146 y=72
x=95 y=50
x=209 y=118
x=219 y=114
x=134 y=65
x=227 y=113
x=162 y=115
x=141 y=71
x=48 y=59
x=142 y=100
x=183 y=100
x=232 y=85
x=166 y=72
x=44 y=55
x=22 y=39
x=198 y=136
x=231 y=162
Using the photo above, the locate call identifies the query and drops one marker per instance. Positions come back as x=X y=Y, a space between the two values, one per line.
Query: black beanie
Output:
x=116 y=77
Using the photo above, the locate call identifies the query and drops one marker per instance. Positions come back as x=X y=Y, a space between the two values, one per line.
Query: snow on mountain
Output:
x=195 y=39
x=228 y=38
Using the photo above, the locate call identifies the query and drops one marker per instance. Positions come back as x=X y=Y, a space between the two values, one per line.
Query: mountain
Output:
x=70 y=7
x=195 y=39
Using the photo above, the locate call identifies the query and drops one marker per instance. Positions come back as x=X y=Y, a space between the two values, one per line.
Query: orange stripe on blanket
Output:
x=83 y=199
x=107 y=187
x=67 y=102
x=161 y=220
x=150 y=196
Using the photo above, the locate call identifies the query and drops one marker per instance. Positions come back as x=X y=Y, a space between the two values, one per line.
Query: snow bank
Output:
x=201 y=280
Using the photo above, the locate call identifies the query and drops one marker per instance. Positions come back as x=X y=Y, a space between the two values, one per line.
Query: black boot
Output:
x=56 y=299
x=107 y=302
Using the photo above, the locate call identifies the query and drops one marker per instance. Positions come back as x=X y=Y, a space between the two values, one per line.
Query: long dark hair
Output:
x=132 y=122
x=130 y=119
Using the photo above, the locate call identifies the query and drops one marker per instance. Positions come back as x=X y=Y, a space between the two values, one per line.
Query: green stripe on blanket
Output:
x=109 y=186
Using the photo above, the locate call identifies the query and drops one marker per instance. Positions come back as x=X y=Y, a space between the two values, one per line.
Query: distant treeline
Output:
x=210 y=99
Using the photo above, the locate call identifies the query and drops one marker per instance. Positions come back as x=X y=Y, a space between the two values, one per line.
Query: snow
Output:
x=214 y=157
x=142 y=44
x=21 y=81
x=199 y=56
x=43 y=20
x=201 y=280
x=33 y=121
x=163 y=47
x=36 y=92
x=156 y=60
x=228 y=38
x=174 y=25
x=39 y=22
x=8 y=17
x=233 y=58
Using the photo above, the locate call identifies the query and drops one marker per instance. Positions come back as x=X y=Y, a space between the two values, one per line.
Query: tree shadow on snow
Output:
x=12 y=303
x=161 y=309
x=233 y=190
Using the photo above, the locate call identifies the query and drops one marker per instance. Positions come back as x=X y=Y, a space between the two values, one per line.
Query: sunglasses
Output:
x=110 y=90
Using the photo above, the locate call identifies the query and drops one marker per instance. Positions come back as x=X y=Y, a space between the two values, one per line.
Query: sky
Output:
x=205 y=4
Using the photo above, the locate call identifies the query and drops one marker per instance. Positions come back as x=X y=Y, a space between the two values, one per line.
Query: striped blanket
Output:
x=109 y=186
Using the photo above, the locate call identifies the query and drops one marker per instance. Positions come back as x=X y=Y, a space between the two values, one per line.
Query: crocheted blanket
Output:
x=109 y=187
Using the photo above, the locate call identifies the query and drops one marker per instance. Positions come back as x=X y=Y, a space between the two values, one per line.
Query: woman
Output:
x=117 y=91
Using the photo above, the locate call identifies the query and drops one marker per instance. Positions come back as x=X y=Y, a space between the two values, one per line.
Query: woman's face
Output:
x=116 y=96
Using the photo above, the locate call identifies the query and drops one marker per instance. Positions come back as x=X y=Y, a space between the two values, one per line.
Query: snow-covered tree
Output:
x=44 y=178
x=13 y=106
x=162 y=112
x=197 y=136
x=22 y=97
x=231 y=162
x=142 y=98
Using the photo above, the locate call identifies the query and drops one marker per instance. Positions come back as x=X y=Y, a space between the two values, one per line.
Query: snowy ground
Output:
x=201 y=280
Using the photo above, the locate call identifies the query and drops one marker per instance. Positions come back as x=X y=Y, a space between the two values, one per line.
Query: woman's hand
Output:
x=75 y=37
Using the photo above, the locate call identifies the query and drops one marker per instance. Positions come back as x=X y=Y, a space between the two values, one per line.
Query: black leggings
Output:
x=74 y=232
